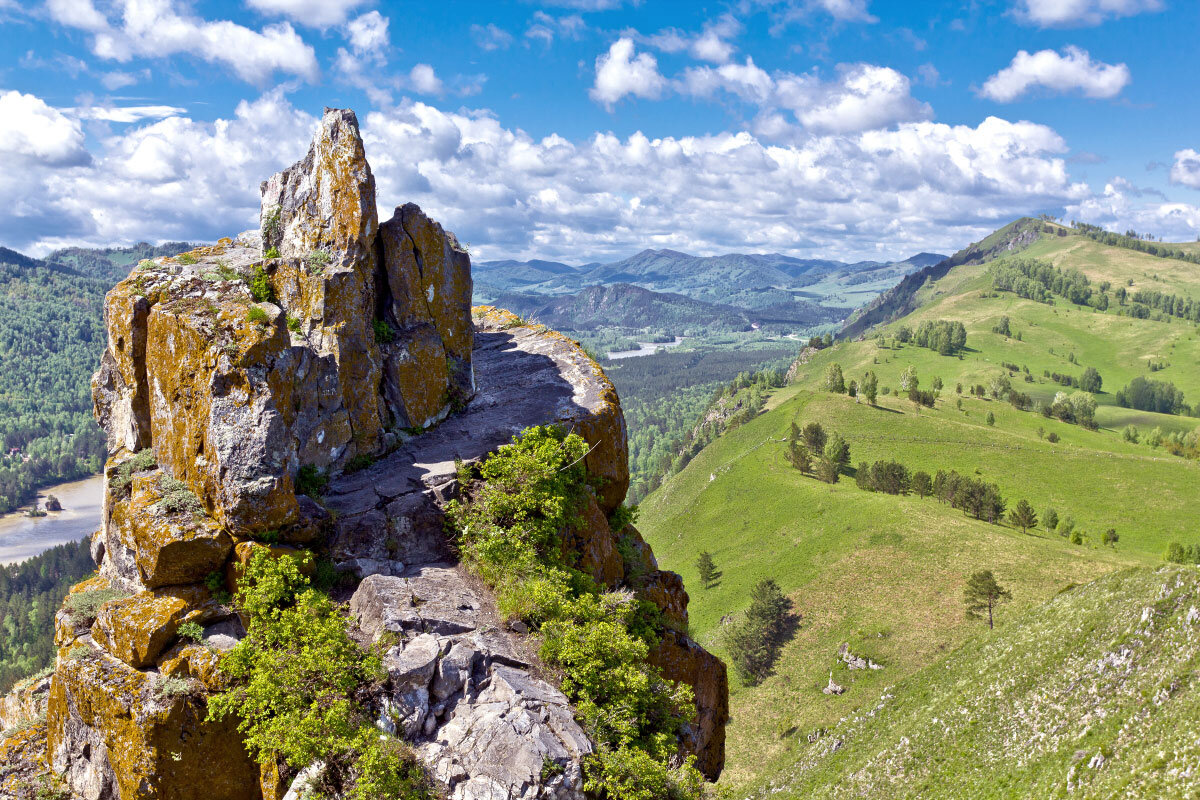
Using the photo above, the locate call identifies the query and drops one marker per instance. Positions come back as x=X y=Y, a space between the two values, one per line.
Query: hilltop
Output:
x=885 y=573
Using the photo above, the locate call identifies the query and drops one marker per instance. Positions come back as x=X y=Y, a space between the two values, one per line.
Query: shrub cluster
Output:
x=1150 y=395
x=509 y=527
x=298 y=685
x=978 y=498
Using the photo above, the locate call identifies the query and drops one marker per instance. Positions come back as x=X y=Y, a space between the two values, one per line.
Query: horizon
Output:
x=849 y=130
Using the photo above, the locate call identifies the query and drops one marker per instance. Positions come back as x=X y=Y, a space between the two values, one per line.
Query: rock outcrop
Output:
x=329 y=344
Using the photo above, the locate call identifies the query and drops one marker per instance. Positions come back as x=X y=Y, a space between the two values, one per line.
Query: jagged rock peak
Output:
x=325 y=201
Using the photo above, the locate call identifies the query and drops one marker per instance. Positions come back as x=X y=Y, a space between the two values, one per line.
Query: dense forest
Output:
x=30 y=595
x=51 y=338
x=665 y=396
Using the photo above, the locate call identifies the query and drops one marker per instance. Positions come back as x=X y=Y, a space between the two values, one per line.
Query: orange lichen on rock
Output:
x=114 y=731
x=137 y=629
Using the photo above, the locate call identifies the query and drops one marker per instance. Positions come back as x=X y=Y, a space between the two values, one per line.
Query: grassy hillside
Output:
x=1093 y=694
x=886 y=573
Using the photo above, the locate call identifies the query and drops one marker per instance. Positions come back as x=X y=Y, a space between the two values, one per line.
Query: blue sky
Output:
x=591 y=129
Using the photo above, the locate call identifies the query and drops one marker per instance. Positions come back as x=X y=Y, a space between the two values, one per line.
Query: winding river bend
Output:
x=23 y=537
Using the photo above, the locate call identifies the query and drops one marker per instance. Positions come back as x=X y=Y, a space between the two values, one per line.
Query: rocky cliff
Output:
x=326 y=345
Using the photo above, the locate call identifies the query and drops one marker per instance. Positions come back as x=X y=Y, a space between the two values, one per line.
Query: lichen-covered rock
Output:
x=137 y=629
x=25 y=703
x=170 y=547
x=115 y=734
x=24 y=774
x=591 y=547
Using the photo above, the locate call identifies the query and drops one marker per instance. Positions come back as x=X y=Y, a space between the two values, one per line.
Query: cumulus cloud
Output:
x=1114 y=210
x=368 y=34
x=423 y=79
x=32 y=131
x=314 y=13
x=491 y=37
x=619 y=73
x=921 y=185
x=1186 y=170
x=1078 y=13
x=156 y=28
x=863 y=96
x=1071 y=70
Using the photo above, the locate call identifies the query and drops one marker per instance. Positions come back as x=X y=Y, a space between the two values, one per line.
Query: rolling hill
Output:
x=632 y=308
x=884 y=573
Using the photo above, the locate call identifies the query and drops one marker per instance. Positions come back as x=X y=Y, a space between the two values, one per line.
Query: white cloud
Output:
x=118 y=80
x=1113 y=210
x=314 y=13
x=862 y=97
x=1078 y=13
x=155 y=28
x=711 y=44
x=368 y=34
x=1072 y=70
x=126 y=114
x=545 y=27
x=588 y=5
x=746 y=81
x=423 y=79
x=920 y=186
x=32 y=131
x=1186 y=170
x=846 y=10
x=491 y=37
x=619 y=73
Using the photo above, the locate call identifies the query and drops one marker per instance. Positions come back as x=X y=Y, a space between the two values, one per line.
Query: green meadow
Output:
x=884 y=573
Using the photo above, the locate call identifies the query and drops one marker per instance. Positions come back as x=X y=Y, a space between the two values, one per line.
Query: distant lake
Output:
x=646 y=349
x=24 y=537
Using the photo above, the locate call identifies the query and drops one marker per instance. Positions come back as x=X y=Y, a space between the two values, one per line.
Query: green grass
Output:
x=886 y=573
x=1093 y=694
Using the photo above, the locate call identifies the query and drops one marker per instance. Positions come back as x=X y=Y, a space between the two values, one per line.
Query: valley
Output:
x=885 y=573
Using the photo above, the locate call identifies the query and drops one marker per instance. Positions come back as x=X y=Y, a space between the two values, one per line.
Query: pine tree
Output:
x=1023 y=516
x=707 y=568
x=814 y=437
x=984 y=593
x=837 y=451
x=869 y=387
x=834 y=380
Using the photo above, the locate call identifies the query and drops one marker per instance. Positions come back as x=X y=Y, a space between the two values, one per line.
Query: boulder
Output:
x=113 y=734
x=169 y=547
x=137 y=629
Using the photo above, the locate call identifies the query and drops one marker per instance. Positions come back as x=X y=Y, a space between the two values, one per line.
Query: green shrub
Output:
x=187 y=258
x=177 y=497
x=271 y=252
x=295 y=680
x=272 y=226
x=172 y=687
x=383 y=331
x=509 y=529
x=260 y=286
x=78 y=651
x=358 y=463
x=310 y=480
x=83 y=606
x=293 y=323
x=191 y=630
x=317 y=260
x=256 y=315
x=140 y=462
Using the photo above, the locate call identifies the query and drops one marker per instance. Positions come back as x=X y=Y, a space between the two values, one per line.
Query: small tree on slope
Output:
x=1023 y=516
x=984 y=593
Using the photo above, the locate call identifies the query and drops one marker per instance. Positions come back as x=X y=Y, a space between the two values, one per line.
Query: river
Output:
x=646 y=349
x=23 y=537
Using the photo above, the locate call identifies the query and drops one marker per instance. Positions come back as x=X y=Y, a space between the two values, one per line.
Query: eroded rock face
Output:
x=226 y=372
x=464 y=692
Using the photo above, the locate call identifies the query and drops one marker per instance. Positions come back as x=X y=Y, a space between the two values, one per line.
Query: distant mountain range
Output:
x=667 y=288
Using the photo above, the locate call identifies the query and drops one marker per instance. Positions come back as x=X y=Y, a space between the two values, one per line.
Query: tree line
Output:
x=31 y=593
